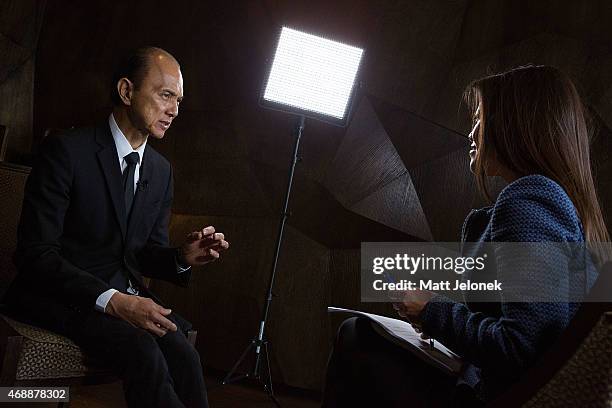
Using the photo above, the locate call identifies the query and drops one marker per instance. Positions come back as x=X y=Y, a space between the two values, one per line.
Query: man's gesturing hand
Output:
x=141 y=312
x=202 y=247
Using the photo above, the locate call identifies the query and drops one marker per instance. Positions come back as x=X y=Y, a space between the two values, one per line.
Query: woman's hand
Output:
x=412 y=305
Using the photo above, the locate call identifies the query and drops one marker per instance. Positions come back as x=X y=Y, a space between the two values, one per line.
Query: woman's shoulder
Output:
x=535 y=208
x=534 y=185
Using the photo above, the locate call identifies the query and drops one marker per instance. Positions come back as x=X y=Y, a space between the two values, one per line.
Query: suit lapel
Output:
x=109 y=161
x=146 y=175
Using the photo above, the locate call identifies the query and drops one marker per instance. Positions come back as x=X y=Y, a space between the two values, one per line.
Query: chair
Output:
x=3 y=141
x=31 y=356
x=577 y=370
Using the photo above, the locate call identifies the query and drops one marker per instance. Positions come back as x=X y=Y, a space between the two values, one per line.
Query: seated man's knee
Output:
x=177 y=345
x=190 y=355
x=141 y=347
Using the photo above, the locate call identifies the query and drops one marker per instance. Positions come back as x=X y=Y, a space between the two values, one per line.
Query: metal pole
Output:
x=279 y=241
x=260 y=341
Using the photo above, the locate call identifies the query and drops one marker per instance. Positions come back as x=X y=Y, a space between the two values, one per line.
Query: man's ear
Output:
x=125 y=88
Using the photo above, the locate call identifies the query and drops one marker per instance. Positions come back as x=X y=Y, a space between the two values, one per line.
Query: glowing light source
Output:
x=312 y=74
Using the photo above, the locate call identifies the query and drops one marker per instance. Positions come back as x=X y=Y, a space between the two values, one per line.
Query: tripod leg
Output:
x=228 y=378
x=268 y=382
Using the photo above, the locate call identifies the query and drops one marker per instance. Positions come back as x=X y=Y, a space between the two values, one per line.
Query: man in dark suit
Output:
x=95 y=221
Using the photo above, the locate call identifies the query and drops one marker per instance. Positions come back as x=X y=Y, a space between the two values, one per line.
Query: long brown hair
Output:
x=533 y=121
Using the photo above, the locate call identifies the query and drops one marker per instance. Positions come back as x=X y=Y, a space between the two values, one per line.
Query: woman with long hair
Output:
x=530 y=128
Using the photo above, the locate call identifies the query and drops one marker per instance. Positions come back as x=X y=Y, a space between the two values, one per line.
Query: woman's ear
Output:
x=125 y=88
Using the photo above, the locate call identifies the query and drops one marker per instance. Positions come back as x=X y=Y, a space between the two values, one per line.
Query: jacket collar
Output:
x=108 y=160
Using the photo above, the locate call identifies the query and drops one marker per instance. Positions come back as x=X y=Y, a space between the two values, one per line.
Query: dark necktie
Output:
x=128 y=180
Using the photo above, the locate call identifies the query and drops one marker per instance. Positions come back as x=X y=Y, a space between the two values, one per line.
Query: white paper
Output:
x=403 y=334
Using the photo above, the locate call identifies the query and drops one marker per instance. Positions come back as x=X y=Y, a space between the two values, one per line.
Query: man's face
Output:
x=155 y=103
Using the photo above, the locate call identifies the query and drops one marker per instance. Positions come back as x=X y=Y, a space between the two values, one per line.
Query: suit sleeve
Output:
x=39 y=250
x=512 y=342
x=157 y=260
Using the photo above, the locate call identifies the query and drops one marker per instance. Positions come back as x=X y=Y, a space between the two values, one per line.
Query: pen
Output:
x=389 y=279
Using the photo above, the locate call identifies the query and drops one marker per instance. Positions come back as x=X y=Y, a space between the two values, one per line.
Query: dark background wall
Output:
x=397 y=172
x=20 y=23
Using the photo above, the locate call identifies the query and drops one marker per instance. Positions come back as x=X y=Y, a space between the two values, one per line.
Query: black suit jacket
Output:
x=74 y=235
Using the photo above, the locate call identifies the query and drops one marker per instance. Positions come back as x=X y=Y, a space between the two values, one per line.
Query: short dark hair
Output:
x=134 y=66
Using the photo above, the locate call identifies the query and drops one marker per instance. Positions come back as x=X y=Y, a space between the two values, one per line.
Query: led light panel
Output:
x=312 y=73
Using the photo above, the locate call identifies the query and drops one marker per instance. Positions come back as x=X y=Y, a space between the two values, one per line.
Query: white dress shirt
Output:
x=123 y=149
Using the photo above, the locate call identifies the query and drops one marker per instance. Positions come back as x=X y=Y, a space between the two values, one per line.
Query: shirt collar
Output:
x=123 y=146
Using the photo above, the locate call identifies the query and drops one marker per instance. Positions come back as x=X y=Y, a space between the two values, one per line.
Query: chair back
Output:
x=3 y=142
x=573 y=350
x=12 y=183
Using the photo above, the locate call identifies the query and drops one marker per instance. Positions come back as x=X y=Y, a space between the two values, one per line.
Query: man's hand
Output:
x=140 y=312
x=202 y=247
x=412 y=305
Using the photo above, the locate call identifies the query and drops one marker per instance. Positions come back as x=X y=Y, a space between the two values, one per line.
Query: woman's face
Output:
x=473 y=148
x=493 y=167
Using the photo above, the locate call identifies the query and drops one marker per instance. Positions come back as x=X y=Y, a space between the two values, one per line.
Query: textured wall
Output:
x=20 y=22
x=397 y=172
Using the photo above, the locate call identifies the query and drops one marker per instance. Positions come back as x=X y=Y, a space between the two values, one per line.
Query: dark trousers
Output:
x=156 y=371
x=365 y=370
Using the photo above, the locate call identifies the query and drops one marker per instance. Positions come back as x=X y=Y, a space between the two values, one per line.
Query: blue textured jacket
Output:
x=498 y=340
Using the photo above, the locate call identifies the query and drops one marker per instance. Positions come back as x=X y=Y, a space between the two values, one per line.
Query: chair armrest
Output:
x=191 y=337
x=11 y=343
